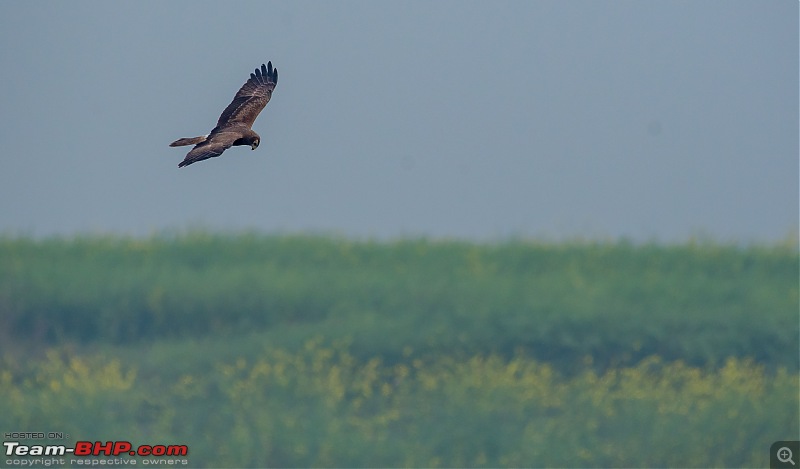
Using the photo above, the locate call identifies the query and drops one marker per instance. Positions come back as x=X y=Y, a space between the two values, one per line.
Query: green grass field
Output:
x=297 y=351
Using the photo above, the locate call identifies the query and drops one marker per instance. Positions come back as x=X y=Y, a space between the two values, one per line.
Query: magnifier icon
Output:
x=785 y=455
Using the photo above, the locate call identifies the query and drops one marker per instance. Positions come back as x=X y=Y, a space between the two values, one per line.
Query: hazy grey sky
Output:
x=476 y=120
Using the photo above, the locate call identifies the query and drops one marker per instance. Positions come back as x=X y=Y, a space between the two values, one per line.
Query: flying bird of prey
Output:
x=234 y=125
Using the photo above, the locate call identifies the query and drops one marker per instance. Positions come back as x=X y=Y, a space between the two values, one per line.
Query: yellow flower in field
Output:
x=400 y=372
x=261 y=370
x=334 y=384
x=428 y=381
x=55 y=385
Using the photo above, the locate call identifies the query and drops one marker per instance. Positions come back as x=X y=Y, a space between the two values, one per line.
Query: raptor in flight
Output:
x=234 y=125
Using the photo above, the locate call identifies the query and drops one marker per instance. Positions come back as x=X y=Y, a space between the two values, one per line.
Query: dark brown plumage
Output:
x=234 y=125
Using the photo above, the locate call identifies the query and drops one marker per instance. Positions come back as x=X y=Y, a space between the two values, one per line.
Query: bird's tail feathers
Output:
x=188 y=141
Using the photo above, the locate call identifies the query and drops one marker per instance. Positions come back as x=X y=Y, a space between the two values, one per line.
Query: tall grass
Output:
x=614 y=302
x=323 y=407
x=300 y=351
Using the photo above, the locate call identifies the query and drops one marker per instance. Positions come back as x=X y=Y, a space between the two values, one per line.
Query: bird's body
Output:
x=234 y=125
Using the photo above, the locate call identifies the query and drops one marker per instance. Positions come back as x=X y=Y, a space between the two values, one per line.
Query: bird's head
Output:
x=254 y=143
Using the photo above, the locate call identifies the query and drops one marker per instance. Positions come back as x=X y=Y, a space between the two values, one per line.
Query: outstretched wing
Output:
x=251 y=98
x=213 y=146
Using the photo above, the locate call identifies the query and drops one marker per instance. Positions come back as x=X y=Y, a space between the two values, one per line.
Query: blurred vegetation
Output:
x=300 y=351
x=321 y=406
